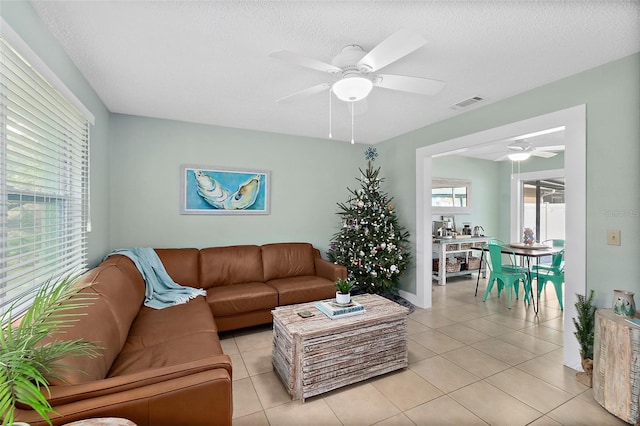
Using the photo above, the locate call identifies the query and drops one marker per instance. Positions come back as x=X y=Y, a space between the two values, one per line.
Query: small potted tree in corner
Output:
x=343 y=291
x=25 y=360
x=585 y=327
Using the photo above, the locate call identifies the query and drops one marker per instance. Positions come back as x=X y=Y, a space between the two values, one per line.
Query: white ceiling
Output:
x=207 y=61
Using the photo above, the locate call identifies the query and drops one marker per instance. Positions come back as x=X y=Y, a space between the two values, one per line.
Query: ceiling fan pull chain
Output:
x=519 y=167
x=330 y=137
x=352 y=141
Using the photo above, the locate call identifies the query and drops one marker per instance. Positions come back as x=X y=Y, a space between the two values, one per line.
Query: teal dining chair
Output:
x=554 y=273
x=508 y=275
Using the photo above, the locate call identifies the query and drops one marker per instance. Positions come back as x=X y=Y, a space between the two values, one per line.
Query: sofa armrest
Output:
x=112 y=385
x=329 y=270
x=202 y=398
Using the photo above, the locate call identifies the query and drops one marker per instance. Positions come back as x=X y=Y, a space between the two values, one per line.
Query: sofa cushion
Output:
x=240 y=298
x=106 y=321
x=179 y=350
x=221 y=266
x=155 y=326
x=181 y=265
x=303 y=289
x=284 y=260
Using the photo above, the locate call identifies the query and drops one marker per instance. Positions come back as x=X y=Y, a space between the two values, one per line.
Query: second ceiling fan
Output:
x=522 y=149
x=354 y=71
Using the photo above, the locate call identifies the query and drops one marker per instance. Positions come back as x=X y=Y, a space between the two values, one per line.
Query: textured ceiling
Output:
x=207 y=61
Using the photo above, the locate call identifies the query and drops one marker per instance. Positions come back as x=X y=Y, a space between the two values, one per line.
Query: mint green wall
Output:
x=612 y=96
x=485 y=197
x=24 y=20
x=308 y=178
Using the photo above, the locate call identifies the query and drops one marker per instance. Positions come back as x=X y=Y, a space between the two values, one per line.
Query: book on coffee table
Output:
x=337 y=310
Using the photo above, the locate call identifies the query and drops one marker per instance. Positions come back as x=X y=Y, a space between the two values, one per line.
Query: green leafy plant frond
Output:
x=344 y=286
x=25 y=361
x=585 y=324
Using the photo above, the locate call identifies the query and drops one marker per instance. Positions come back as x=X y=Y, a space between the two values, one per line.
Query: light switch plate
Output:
x=613 y=237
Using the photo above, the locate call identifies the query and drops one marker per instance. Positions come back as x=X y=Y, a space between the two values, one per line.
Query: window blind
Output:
x=44 y=173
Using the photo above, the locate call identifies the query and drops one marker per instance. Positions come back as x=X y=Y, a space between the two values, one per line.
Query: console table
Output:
x=464 y=246
x=616 y=365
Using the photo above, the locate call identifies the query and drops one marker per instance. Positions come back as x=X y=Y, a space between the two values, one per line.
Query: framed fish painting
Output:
x=218 y=190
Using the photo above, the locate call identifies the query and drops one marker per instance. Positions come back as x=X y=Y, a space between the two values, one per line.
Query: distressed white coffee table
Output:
x=318 y=354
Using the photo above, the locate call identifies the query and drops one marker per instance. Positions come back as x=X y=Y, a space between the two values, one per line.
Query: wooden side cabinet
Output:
x=616 y=365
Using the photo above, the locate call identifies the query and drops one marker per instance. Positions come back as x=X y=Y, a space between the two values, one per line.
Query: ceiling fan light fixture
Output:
x=352 y=88
x=519 y=156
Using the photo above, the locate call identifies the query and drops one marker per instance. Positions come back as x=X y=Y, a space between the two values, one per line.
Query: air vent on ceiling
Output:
x=467 y=102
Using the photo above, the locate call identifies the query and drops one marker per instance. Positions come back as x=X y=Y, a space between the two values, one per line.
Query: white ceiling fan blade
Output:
x=304 y=61
x=551 y=148
x=396 y=46
x=305 y=93
x=543 y=154
x=422 y=86
x=519 y=145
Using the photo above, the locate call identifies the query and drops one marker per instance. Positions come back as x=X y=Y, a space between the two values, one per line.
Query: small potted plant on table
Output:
x=343 y=293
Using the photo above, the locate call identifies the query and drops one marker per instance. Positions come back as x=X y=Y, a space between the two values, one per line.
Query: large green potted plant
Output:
x=26 y=361
x=585 y=328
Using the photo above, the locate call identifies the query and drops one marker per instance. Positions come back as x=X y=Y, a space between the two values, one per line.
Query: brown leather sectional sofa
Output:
x=167 y=367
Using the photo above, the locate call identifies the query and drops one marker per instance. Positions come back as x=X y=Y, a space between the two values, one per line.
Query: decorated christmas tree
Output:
x=371 y=243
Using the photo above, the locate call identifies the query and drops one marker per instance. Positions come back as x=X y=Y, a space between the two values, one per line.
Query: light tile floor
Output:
x=470 y=363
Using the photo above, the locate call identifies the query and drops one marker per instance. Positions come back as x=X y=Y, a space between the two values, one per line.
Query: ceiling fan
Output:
x=354 y=71
x=522 y=149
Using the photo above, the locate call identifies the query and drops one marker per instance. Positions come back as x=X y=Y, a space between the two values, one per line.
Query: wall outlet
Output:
x=613 y=237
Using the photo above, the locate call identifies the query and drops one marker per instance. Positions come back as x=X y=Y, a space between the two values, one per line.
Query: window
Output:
x=450 y=195
x=543 y=208
x=44 y=180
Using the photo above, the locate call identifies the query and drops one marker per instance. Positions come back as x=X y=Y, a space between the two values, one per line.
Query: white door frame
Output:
x=574 y=122
x=516 y=194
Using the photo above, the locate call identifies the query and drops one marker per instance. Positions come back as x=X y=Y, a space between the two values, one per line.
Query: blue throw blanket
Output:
x=161 y=291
